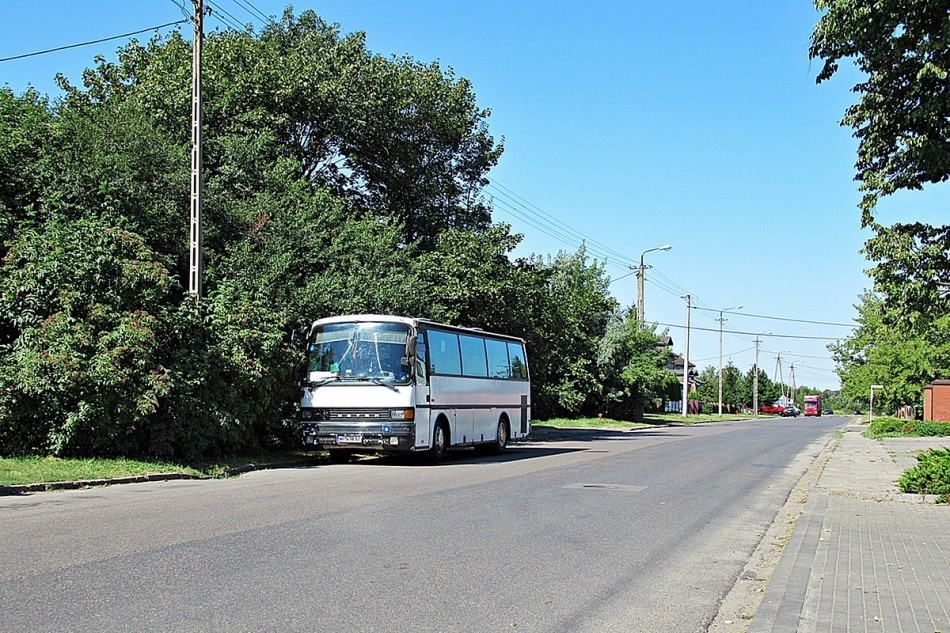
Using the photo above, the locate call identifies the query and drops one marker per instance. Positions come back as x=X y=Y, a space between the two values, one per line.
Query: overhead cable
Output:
x=90 y=43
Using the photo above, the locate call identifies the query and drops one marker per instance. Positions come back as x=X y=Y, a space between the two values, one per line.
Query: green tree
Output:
x=579 y=309
x=899 y=358
x=82 y=375
x=903 y=49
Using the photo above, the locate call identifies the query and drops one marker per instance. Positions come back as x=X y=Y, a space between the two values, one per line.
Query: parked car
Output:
x=827 y=412
x=790 y=412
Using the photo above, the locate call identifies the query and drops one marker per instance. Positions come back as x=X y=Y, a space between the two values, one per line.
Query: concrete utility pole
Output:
x=778 y=378
x=755 y=378
x=791 y=381
x=640 y=271
x=686 y=360
x=721 y=319
x=194 y=270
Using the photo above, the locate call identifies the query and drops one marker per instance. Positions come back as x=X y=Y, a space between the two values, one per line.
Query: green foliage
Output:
x=885 y=427
x=891 y=355
x=931 y=475
x=901 y=117
x=81 y=375
x=903 y=338
x=891 y=427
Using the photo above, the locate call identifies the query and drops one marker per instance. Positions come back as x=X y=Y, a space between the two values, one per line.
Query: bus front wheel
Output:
x=440 y=443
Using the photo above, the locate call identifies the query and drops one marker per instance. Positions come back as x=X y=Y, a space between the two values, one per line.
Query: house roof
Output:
x=678 y=362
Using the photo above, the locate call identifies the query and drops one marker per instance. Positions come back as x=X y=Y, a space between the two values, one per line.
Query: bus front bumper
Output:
x=381 y=437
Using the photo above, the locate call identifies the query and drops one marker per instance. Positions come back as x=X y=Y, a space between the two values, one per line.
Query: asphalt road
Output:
x=635 y=531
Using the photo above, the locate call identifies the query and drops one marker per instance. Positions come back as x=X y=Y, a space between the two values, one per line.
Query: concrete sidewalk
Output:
x=863 y=557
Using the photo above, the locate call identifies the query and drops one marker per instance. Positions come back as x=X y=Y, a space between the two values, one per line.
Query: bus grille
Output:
x=354 y=415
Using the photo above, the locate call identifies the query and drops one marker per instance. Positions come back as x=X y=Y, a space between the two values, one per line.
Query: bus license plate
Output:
x=349 y=439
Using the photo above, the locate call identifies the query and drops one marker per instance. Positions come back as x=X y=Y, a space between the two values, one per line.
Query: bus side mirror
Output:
x=411 y=346
x=297 y=335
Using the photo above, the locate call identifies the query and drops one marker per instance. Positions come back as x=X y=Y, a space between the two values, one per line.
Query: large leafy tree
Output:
x=396 y=138
x=903 y=117
x=902 y=120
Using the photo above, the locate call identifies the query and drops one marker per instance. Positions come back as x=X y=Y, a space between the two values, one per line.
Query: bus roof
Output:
x=411 y=322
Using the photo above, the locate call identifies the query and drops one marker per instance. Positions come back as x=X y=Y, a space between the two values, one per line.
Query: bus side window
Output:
x=497 y=359
x=422 y=373
x=474 y=362
x=519 y=369
x=444 y=357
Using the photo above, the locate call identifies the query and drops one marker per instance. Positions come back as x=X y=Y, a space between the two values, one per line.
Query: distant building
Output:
x=937 y=401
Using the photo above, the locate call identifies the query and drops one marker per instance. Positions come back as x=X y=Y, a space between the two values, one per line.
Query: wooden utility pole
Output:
x=194 y=270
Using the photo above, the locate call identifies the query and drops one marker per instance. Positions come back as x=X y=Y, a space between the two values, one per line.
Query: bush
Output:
x=883 y=427
x=893 y=427
x=928 y=429
x=931 y=475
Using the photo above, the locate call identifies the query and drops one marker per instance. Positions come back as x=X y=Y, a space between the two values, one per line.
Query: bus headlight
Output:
x=402 y=414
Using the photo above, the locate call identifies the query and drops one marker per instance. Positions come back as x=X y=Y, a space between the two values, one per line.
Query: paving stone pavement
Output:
x=863 y=557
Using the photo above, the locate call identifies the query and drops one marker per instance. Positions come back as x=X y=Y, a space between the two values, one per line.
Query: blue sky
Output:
x=629 y=124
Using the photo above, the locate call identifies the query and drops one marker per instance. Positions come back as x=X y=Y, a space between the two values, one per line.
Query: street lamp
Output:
x=871 y=407
x=738 y=307
x=755 y=380
x=640 y=270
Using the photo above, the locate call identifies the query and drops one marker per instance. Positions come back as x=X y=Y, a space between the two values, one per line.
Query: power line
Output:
x=90 y=43
x=775 y=318
x=561 y=226
x=231 y=21
x=248 y=6
x=790 y=336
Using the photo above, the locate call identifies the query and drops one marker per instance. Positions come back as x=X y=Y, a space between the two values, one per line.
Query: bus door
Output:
x=422 y=390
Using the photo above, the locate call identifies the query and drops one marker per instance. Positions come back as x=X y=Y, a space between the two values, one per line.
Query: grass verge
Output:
x=32 y=470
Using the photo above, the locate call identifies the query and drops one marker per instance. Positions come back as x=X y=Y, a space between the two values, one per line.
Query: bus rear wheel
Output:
x=501 y=438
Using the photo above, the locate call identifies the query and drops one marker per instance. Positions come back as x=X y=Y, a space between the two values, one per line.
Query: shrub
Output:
x=931 y=475
x=891 y=427
x=882 y=427
x=931 y=429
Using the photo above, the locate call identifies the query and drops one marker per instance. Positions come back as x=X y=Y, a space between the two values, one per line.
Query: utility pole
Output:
x=194 y=270
x=778 y=378
x=640 y=270
x=721 y=319
x=686 y=360
x=755 y=379
x=791 y=381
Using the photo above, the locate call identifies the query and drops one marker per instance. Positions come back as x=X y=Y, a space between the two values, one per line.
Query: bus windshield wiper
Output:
x=375 y=381
x=311 y=384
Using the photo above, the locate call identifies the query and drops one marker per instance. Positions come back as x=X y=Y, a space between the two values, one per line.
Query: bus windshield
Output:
x=358 y=351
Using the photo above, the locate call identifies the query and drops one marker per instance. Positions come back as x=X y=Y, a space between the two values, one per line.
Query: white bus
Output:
x=398 y=384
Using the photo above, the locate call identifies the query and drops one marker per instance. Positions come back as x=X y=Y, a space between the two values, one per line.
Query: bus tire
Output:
x=501 y=437
x=440 y=443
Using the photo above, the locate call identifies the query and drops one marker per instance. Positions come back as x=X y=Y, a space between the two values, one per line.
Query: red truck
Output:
x=813 y=405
